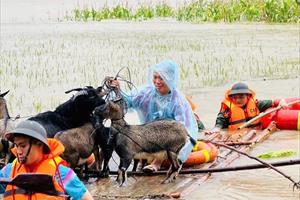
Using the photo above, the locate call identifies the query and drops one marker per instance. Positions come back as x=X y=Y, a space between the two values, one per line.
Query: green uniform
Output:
x=223 y=117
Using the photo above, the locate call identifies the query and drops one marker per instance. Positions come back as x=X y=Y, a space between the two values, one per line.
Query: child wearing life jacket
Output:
x=239 y=106
x=35 y=153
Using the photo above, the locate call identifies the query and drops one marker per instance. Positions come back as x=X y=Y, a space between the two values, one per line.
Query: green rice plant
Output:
x=280 y=11
x=144 y=13
x=94 y=14
x=252 y=13
x=163 y=10
x=85 y=14
x=35 y=65
x=37 y=107
x=77 y=14
x=214 y=12
x=184 y=73
x=104 y=13
x=120 y=12
x=196 y=68
x=191 y=12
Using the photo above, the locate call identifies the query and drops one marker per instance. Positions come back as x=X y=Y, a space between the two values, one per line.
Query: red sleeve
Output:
x=224 y=110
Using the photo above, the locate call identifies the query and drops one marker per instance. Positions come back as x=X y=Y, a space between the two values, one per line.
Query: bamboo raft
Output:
x=147 y=186
x=141 y=185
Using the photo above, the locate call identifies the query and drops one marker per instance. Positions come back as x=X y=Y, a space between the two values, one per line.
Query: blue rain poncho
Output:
x=151 y=106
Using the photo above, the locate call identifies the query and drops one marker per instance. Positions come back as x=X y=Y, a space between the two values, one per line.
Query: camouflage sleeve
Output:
x=223 y=116
x=263 y=105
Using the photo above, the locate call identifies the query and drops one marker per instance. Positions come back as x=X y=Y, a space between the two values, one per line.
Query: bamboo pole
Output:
x=296 y=184
x=203 y=171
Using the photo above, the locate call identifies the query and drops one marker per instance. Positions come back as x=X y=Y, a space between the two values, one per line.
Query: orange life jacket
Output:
x=193 y=107
x=238 y=115
x=49 y=165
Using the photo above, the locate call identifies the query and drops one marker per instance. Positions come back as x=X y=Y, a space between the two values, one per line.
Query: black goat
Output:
x=73 y=113
x=163 y=137
x=102 y=139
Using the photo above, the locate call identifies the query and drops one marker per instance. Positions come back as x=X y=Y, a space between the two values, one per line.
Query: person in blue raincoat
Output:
x=161 y=99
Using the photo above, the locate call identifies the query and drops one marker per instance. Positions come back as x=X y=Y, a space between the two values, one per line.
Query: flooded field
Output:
x=56 y=57
x=41 y=59
x=251 y=184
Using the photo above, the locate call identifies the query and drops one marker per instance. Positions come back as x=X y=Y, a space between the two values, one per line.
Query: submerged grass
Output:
x=39 y=66
x=271 y=11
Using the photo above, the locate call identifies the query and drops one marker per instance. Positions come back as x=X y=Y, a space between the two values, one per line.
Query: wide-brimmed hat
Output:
x=239 y=88
x=31 y=129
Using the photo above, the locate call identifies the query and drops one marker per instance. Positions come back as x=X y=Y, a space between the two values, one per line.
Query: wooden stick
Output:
x=266 y=113
x=296 y=184
x=209 y=170
x=236 y=143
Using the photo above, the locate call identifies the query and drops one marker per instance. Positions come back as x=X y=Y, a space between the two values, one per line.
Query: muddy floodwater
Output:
x=251 y=184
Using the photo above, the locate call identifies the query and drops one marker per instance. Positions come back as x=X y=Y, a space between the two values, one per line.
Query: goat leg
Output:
x=107 y=153
x=124 y=176
x=105 y=171
x=174 y=168
x=119 y=176
x=98 y=157
x=135 y=164
x=124 y=164
x=138 y=163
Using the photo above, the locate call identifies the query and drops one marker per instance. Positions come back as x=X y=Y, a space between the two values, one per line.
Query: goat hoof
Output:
x=171 y=178
x=121 y=184
x=104 y=174
x=167 y=180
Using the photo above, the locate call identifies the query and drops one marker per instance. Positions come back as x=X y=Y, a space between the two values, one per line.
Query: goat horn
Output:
x=75 y=89
x=3 y=94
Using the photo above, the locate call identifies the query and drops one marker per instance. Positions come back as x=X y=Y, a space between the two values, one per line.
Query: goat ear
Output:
x=102 y=93
x=99 y=89
x=3 y=94
x=75 y=89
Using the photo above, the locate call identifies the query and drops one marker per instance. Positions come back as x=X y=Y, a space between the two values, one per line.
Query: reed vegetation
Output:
x=270 y=11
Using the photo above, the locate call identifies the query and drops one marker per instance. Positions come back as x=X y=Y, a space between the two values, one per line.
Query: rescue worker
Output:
x=239 y=106
x=161 y=99
x=37 y=154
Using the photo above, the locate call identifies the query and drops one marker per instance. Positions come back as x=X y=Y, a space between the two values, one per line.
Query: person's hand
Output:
x=272 y=127
x=114 y=83
x=283 y=104
x=212 y=131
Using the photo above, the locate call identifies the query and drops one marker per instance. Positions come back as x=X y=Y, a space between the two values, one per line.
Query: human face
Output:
x=239 y=99
x=160 y=84
x=22 y=145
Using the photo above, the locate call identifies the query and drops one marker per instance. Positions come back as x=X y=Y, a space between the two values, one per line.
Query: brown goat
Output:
x=79 y=144
x=6 y=124
x=4 y=115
